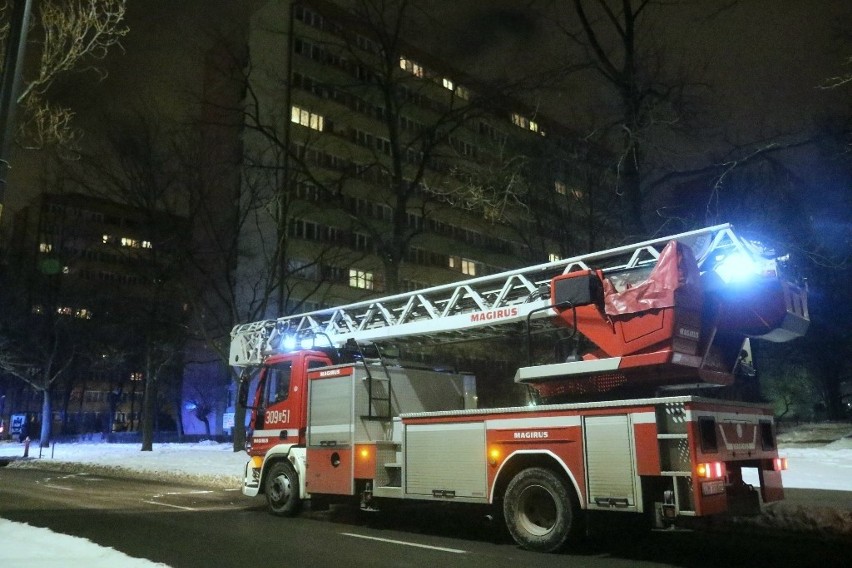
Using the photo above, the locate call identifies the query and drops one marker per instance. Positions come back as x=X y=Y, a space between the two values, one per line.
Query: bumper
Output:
x=251 y=478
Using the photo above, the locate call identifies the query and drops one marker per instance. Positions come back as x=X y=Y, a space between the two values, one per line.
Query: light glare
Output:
x=736 y=268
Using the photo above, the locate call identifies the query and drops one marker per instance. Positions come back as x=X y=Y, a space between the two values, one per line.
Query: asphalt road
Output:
x=187 y=526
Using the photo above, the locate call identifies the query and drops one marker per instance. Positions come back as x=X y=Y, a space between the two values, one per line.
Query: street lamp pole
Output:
x=10 y=84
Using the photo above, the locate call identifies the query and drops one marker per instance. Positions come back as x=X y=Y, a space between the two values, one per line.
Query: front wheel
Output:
x=541 y=512
x=282 y=490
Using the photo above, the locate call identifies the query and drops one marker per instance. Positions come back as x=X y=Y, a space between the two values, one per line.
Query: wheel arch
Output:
x=294 y=454
x=523 y=459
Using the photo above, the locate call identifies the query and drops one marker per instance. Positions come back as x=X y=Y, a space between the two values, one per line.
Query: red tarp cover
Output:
x=675 y=268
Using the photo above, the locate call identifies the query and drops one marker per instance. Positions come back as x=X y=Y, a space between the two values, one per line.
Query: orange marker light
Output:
x=779 y=464
x=710 y=470
x=493 y=456
x=365 y=453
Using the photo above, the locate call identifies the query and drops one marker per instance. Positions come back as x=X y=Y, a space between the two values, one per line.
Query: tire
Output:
x=282 y=490
x=541 y=512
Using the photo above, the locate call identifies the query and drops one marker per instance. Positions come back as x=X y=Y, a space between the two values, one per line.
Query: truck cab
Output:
x=279 y=409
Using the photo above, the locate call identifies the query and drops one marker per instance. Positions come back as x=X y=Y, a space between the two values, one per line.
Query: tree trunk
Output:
x=149 y=406
x=391 y=280
x=178 y=403
x=631 y=172
x=46 y=419
x=132 y=425
x=114 y=397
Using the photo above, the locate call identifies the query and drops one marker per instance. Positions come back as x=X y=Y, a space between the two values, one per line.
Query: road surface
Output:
x=188 y=526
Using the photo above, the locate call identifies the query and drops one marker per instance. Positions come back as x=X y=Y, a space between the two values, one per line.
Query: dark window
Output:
x=767 y=435
x=707 y=434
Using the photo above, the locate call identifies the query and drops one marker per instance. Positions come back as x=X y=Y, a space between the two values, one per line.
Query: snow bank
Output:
x=36 y=547
x=209 y=463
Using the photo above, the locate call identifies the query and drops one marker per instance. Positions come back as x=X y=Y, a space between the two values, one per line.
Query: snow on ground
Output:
x=207 y=462
x=813 y=464
x=36 y=547
x=23 y=545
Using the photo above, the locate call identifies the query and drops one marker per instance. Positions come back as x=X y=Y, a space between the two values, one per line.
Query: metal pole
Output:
x=10 y=84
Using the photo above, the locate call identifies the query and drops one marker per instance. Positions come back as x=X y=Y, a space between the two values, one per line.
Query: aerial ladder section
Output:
x=482 y=307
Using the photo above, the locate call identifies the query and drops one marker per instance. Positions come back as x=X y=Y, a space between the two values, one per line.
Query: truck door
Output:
x=281 y=412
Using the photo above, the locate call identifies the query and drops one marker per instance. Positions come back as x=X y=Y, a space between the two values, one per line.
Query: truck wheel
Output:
x=282 y=489
x=541 y=512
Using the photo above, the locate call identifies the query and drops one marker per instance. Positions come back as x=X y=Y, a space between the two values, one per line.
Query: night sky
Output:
x=760 y=54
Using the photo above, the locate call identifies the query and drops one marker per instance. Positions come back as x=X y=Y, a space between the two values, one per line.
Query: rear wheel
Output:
x=282 y=489
x=541 y=512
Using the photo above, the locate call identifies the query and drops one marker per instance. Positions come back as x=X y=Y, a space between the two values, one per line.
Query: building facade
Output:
x=85 y=282
x=373 y=168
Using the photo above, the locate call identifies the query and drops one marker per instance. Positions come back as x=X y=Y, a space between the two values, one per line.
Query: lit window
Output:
x=560 y=188
x=526 y=123
x=360 y=279
x=410 y=66
x=553 y=257
x=448 y=84
x=128 y=242
x=147 y=245
x=45 y=247
x=464 y=265
x=462 y=92
x=136 y=376
x=307 y=118
x=577 y=194
x=64 y=311
x=107 y=239
x=37 y=309
x=83 y=313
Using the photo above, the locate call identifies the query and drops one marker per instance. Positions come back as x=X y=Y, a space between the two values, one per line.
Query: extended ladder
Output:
x=469 y=309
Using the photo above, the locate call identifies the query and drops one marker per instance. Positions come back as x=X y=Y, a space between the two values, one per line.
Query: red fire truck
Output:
x=629 y=420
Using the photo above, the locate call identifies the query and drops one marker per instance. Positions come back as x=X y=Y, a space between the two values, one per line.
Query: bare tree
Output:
x=39 y=352
x=134 y=166
x=614 y=45
x=70 y=36
x=226 y=285
x=842 y=77
x=44 y=318
x=187 y=173
x=230 y=197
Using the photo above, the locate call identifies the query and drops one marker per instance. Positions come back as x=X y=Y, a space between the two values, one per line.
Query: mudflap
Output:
x=743 y=500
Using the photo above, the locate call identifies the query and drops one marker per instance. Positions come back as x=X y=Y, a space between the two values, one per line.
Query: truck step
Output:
x=387 y=491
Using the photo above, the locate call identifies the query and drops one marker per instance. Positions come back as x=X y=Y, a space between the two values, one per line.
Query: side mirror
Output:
x=243 y=389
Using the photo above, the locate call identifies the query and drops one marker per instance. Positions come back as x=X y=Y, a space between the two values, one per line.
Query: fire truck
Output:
x=635 y=417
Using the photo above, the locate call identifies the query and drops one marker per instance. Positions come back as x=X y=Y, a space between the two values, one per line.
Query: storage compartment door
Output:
x=330 y=431
x=610 y=463
x=446 y=461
